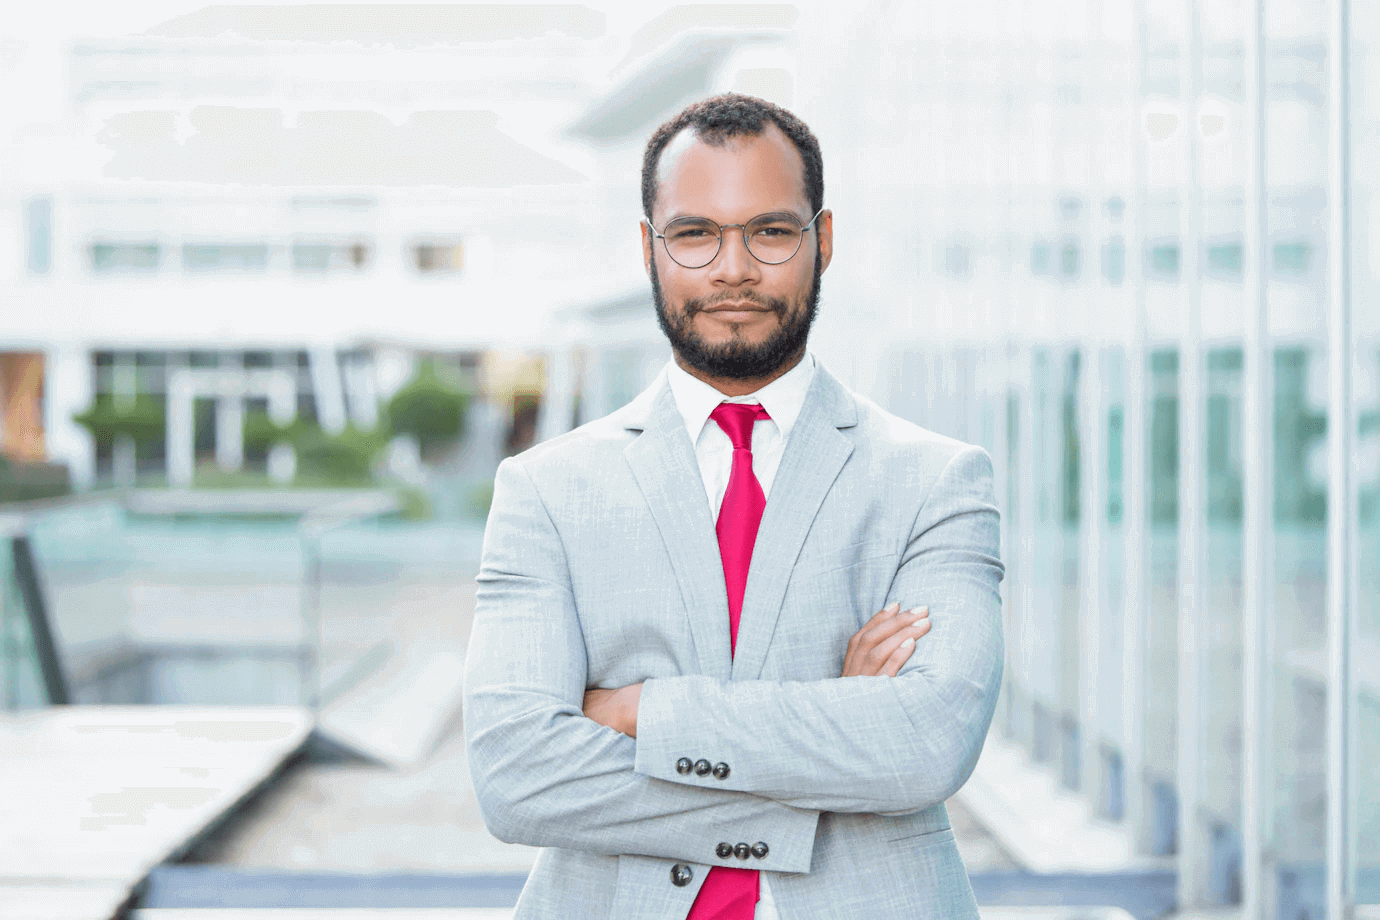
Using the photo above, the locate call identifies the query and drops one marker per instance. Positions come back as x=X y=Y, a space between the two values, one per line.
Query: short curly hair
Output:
x=719 y=119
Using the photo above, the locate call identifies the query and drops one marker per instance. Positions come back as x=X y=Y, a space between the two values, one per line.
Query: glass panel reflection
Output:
x=1299 y=717
x=1221 y=687
x=1162 y=570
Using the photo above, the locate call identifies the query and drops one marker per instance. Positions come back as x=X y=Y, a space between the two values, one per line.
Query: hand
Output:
x=885 y=641
x=616 y=709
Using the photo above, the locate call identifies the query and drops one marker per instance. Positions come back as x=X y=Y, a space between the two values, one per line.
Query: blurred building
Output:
x=1131 y=249
x=247 y=210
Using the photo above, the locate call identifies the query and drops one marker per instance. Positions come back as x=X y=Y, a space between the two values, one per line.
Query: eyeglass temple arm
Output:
x=661 y=236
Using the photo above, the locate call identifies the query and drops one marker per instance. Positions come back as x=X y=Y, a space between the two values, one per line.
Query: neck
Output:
x=733 y=386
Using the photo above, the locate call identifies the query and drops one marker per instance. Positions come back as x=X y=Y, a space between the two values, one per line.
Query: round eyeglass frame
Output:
x=742 y=228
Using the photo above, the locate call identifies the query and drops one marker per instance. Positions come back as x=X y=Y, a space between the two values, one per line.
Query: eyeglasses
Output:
x=694 y=242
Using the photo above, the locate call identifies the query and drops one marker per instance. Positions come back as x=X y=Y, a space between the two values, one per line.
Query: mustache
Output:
x=698 y=304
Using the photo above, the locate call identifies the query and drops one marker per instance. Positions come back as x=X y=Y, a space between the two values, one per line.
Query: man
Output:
x=676 y=682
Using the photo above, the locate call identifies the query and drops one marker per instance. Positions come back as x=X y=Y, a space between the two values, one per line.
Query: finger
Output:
x=861 y=641
x=881 y=616
x=870 y=636
x=898 y=657
x=882 y=653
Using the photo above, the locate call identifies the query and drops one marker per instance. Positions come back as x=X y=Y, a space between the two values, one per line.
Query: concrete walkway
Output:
x=418 y=814
x=95 y=797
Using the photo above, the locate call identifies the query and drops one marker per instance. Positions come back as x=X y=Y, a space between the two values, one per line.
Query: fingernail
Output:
x=908 y=643
x=894 y=606
x=924 y=612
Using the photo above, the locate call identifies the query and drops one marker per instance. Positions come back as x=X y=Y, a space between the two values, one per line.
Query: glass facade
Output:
x=1133 y=214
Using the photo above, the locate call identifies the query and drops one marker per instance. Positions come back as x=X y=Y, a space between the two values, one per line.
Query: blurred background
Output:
x=281 y=285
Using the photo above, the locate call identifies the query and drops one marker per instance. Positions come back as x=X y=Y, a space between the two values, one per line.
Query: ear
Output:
x=647 y=241
x=824 y=226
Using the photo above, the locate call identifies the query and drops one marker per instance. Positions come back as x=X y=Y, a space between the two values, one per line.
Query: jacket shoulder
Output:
x=603 y=437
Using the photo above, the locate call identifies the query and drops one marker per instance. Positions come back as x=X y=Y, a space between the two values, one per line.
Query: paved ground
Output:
x=360 y=818
x=354 y=817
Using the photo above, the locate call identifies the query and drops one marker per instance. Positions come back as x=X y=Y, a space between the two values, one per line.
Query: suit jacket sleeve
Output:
x=544 y=774
x=864 y=744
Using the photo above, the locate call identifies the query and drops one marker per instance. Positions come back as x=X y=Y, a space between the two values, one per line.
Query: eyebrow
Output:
x=780 y=212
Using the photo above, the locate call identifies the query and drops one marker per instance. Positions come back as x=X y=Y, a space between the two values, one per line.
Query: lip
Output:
x=736 y=308
x=733 y=317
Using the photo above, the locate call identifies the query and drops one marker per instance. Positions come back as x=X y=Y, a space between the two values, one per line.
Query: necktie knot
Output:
x=736 y=419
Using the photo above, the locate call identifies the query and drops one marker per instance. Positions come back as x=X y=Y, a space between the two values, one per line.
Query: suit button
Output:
x=702 y=768
x=721 y=771
x=759 y=849
x=684 y=766
x=742 y=851
x=724 y=850
x=681 y=874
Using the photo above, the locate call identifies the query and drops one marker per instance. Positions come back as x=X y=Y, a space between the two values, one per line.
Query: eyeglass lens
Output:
x=771 y=238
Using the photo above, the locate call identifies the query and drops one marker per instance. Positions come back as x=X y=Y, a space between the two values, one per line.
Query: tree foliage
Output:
x=429 y=409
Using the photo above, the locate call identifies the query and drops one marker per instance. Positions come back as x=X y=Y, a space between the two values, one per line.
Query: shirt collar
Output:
x=783 y=398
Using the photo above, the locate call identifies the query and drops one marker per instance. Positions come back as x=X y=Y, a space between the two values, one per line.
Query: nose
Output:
x=733 y=265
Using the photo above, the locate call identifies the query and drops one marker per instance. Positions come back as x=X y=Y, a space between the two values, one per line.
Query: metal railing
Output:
x=27 y=633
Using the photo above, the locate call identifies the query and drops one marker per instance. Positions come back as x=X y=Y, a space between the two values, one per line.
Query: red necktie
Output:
x=731 y=894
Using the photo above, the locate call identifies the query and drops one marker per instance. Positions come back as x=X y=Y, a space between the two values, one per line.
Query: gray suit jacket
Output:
x=601 y=569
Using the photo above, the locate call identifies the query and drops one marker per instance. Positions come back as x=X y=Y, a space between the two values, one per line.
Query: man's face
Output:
x=736 y=318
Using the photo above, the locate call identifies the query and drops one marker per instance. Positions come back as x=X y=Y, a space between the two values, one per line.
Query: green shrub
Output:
x=261 y=433
x=346 y=458
x=28 y=481
x=428 y=409
x=145 y=420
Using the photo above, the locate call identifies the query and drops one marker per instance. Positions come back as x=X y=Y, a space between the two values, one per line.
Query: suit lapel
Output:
x=664 y=465
x=815 y=454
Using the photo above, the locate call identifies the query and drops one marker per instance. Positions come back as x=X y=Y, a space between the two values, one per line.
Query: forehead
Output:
x=736 y=180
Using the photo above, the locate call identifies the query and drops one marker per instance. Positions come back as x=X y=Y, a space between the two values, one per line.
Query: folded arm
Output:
x=545 y=775
x=862 y=744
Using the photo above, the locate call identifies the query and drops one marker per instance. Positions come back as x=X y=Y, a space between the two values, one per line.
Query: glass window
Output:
x=1224 y=259
x=1069 y=261
x=38 y=229
x=1299 y=622
x=1161 y=717
x=322 y=257
x=201 y=257
x=1222 y=704
x=1292 y=258
x=1366 y=746
x=1114 y=260
x=123 y=257
x=1014 y=686
x=1163 y=263
x=1111 y=798
x=439 y=258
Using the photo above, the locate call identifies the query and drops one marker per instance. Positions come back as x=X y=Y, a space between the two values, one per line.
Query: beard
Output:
x=739 y=359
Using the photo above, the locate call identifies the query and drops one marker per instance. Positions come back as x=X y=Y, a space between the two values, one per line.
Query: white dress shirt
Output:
x=783 y=399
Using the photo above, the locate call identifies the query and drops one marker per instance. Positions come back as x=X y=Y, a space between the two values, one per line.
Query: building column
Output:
x=125 y=389
x=1193 y=843
x=1341 y=482
x=282 y=409
x=230 y=415
x=181 y=430
x=69 y=388
x=330 y=396
x=230 y=432
x=1258 y=887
